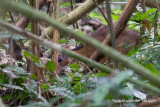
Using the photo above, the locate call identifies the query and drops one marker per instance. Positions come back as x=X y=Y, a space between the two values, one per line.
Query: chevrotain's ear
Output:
x=15 y=50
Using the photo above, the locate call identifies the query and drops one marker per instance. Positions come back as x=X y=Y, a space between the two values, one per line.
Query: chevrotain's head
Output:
x=64 y=60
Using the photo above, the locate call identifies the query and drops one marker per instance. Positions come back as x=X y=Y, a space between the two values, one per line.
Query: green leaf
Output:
x=45 y=86
x=51 y=66
x=3 y=78
x=34 y=77
x=138 y=16
x=146 y=14
x=99 y=16
x=151 y=67
x=67 y=4
x=13 y=87
x=102 y=90
x=63 y=41
x=116 y=14
x=80 y=32
x=17 y=70
x=117 y=11
x=153 y=21
x=33 y=58
x=120 y=77
x=115 y=17
x=75 y=66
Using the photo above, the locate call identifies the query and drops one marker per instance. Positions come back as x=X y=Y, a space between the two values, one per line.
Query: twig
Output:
x=45 y=33
x=71 y=1
x=50 y=8
x=11 y=16
x=101 y=11
x=56 y=33
x=156 y=20
x=96 y=20
x=108 y=9
x=112 y=33
x=118 y=3
x=142 y=5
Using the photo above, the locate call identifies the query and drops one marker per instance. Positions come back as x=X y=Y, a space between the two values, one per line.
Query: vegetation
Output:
x=32 y=73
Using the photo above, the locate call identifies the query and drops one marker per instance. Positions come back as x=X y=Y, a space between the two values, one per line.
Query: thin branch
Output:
x=71 y=1
x=96 y=20
x=80 y=11
x=118 y=3
x=56 y=33
x=11 y=16
x=144 y=85
x=110 y=23
x=101 y=11
x=45 y=33
x=156 y=21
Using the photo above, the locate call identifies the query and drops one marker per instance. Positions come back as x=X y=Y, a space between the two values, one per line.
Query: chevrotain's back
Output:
x=124 y=43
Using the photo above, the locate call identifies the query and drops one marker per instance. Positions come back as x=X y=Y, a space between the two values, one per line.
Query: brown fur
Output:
x=123 y=42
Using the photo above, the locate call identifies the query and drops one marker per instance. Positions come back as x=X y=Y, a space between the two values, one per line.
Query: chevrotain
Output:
x=124 y=43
